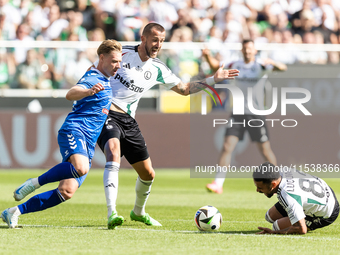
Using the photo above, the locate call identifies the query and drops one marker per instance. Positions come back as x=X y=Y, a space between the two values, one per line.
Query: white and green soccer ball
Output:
x=208 y=218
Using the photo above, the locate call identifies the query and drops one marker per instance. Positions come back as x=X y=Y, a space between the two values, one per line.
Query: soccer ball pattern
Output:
x=208 y=218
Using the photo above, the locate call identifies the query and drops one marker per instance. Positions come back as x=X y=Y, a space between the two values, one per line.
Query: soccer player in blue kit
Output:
x=76 y=138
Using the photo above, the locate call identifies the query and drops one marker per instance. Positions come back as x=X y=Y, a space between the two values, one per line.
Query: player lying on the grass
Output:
x=121 y=136
x=76 y=138
x=306 y=202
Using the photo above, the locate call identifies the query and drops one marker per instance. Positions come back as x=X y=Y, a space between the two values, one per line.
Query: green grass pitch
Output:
x=79 y=225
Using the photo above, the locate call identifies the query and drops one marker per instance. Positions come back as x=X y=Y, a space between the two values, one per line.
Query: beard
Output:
x=270 y=195
x=148 y=52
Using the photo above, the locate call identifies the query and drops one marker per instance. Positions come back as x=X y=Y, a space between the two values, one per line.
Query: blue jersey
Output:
x=89 y=114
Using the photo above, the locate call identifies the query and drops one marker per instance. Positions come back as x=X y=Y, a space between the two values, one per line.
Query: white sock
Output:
x=15 y=210
x=110 y=180
x=220 y=178
x=143 y=189
x=35 y=182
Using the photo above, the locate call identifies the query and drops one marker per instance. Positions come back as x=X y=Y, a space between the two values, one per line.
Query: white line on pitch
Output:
x=185 y=231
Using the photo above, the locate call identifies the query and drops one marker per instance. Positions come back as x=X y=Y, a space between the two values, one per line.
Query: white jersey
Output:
x=252 y=75
x=303 y=195
x=135 y=77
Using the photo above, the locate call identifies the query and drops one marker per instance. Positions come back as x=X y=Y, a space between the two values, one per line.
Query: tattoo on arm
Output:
x=197 y=86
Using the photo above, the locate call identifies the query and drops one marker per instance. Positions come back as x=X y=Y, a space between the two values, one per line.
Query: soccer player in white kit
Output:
x=121 y=136
x=306 y=202
x=253 y=73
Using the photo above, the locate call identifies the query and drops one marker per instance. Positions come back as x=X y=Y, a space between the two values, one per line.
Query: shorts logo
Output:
x=147 y=75
x=105 y=111
x=72 y=142
x=66 y=153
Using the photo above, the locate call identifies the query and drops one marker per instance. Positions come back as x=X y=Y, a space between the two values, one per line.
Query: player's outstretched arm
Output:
x=297 y=228
x=78 y=92
x=196 y=86
x=278 y=66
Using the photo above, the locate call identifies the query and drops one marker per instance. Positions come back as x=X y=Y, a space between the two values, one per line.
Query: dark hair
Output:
x=266 y=173
x=109 y=45
x=147 y=29
x=247 y=41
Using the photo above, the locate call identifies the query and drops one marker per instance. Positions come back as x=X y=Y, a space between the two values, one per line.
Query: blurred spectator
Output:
x=333 y=57
x=74 y=27
x=326 y=33
x=233 y=26
x=56 y=24
x=28 y=74
x=163 y=13
x=296 y=17
x=94 y=35
x=7 y=28
x=184 y=62
x=312 y=57
x=307 y=23
x=282 y=22
x=25 y=7
x=12 y=13
x=41 y=12
x=185 y=19
x=76 y=68
x=323 y=9
x=22 y=35
x=286 y=56
x=129 y=20
x=34 y=30
x=255 y=34
x=104 y=15
x=88 y=11
x=7 y=69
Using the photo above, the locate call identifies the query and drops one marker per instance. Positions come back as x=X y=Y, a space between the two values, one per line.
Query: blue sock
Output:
x=41 y=201
x=59 y=172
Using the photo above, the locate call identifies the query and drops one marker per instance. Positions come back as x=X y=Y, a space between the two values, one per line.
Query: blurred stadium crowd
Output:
x=227 y=21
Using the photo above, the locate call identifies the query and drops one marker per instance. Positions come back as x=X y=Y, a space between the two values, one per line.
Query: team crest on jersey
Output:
x=147 y=75
x=139 y=69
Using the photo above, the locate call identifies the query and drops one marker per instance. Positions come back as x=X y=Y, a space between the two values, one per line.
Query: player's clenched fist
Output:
x=96 y=88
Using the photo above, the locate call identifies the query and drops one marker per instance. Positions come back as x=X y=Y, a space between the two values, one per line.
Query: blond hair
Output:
x=109 y=45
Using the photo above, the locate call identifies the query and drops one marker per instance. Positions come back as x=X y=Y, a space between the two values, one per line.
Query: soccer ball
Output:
x=208 y=218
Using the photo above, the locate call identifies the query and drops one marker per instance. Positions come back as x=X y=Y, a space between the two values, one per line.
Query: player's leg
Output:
x=260 y=135
x=110 y=180
x=48 y=199
x=267 y=152
x=278 y=216
x=109 y=143
x=75 y=164
x=146 y=175
x=229 y=145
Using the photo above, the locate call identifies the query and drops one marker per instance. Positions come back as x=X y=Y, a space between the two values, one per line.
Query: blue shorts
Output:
x=74 y=142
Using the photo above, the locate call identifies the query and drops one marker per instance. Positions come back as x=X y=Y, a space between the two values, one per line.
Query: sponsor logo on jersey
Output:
x=127 y=65
x=147 y=75
x=129 y=84
x=106 y=111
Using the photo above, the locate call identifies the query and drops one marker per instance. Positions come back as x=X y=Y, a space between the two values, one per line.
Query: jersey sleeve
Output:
x=265 y=68
x=166 y=77
x=293 y=208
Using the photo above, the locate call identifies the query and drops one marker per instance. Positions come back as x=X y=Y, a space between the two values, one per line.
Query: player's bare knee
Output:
x=66 y=193
x=82 y=170
x=227 y=148
x=149 y=175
